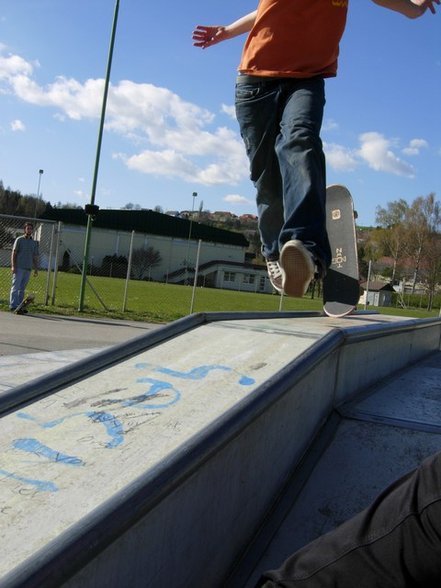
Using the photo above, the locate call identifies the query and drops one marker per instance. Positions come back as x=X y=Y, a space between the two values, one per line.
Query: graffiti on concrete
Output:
x=158 y=394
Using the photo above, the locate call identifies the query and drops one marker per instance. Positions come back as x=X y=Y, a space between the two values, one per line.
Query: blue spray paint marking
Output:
x=112 y=425
x=157 y=386
x=46 y=425
x=197 y=373
x=113 y=428
x=34 y=446
x=40 y=485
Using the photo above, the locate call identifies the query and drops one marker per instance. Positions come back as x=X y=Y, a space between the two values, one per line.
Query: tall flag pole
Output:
x=92 y=209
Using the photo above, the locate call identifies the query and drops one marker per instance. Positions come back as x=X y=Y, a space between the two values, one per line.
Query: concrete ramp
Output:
x=154 y=463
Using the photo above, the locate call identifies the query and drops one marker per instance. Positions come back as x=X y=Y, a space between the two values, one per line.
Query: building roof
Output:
x=377 y=286
x=149 y=222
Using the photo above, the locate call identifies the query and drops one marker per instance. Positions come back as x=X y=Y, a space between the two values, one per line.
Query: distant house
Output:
x=248 y=218
x=377 y=293
x=223 y=216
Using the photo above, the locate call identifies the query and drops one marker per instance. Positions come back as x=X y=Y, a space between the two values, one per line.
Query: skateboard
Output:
x=341 y=286
x=24 y=303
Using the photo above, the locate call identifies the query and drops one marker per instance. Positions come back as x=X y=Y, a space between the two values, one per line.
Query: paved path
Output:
x=34 y=344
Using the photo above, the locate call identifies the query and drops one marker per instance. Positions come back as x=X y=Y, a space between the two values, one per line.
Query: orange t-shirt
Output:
x=295 y=38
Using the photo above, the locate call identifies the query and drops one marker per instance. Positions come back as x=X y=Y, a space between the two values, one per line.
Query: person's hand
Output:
x=204 y=36
x=424 y=4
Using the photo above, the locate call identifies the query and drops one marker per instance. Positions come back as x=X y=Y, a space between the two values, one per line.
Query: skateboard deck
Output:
x=25 y=302
x=341 y=286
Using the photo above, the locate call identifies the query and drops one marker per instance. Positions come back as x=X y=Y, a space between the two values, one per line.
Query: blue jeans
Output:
x=280 y=121
x=19 y=282
x=396 y=542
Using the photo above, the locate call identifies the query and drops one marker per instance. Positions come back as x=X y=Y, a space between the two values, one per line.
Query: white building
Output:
x=222 y=254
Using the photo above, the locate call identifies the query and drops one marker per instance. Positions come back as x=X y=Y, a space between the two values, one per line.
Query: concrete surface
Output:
x=164 y=463
x=37 y=332
x=383 y=435
x=34 y=344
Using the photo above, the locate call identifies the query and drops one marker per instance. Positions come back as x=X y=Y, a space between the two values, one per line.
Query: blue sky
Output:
x=170 y=126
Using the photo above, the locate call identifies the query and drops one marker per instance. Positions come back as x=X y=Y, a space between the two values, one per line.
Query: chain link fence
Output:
x=12 y=227
x=118 y=265
x=113 y=261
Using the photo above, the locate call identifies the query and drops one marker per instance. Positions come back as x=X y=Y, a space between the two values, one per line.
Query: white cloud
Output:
x=180 y=138
x=415 y=146
x=171 y=137
x=376 y=151
x=75 y=100
x=330 y=125
x=237 y=199
x=17 y=125
x=340 y=158
x=13 y=65
x=162 y=163
x=229 y=110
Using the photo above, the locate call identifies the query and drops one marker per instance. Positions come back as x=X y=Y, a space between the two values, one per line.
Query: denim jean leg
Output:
x=20 y=280
x=257 y=112
x=302 y=164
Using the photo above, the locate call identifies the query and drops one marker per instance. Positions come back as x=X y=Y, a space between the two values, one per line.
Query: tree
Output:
x=423 y=220
x=143 y=260
x=114 y=266
x=6 y=238
x=73 y=205
x=432 y=267
x=391 y=237
x=131 y=206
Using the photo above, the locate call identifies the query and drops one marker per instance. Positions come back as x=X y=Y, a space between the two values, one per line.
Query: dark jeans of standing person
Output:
x=280 y=121
x=395 y=543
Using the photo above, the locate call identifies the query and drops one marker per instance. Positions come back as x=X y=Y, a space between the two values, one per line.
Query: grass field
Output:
x=157 y=302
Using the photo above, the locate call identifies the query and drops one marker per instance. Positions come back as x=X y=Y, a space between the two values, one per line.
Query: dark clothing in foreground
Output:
x=394 y=543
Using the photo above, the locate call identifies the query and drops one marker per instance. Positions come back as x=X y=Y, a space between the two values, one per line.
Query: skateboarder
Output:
x=24 y=257
x=290 y=49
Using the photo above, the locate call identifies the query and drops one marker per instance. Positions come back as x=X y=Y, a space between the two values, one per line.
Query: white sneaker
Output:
x=275 y=275
x=298 y=268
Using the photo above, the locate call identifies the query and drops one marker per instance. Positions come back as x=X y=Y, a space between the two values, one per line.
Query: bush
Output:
x=114 y=266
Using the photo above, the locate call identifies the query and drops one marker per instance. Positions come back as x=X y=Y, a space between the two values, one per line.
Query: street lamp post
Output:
x=92 y=209
x=189 y=236
x=40 y=173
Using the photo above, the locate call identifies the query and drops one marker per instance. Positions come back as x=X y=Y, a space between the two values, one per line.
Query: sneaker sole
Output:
x=297 y=268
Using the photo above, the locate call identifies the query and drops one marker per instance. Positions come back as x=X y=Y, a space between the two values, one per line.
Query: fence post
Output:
x=49 y=267
x=57 y=249
x=196 y=270
x=129 y=269
x=366 y=301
